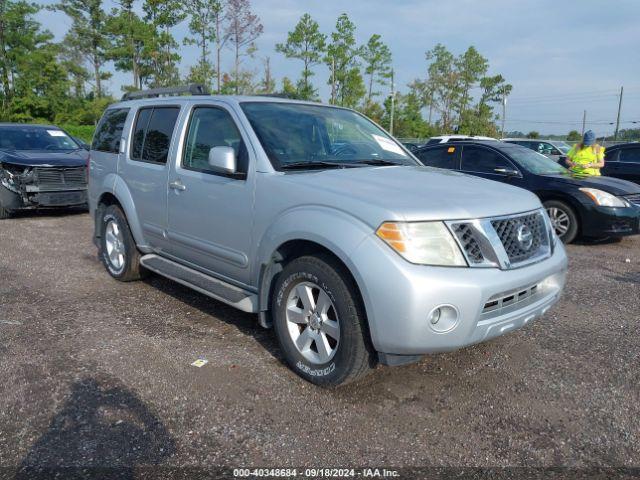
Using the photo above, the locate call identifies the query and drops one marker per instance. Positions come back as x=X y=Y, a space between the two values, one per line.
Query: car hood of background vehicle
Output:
x=615 y=186
x=413 y=193
x=32 y=158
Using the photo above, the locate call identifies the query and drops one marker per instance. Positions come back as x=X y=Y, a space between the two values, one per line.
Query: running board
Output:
x=205 y=284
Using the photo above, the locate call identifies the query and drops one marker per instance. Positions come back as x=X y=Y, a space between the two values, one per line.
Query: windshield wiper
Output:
x=312 y=165
x=377 y=161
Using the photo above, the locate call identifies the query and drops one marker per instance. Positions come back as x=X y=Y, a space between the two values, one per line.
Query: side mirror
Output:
x=223 y=159
x=507 y=172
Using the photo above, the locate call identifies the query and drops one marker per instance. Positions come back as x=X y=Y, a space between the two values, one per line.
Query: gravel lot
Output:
x=97 y=373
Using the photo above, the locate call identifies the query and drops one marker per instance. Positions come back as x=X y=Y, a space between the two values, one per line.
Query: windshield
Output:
x=35 y=138
x=562 y=146
x=298 y=134
x=535 y=162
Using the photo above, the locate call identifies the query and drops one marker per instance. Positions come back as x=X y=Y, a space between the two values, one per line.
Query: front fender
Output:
x=336 y=230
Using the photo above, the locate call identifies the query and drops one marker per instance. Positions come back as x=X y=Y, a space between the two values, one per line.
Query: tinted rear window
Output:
x=631 y=155
x=152 y=134
x=441 y=157
x=109 y=131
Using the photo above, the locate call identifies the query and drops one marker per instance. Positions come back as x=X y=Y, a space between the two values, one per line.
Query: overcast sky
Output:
x=561 y=56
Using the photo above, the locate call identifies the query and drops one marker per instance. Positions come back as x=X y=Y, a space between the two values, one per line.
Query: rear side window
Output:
x=152 y=134
x=630 y=155
x=441 y=157
x=482 y=160
x=109 y=131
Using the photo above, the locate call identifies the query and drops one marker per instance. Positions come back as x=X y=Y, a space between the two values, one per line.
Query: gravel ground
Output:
x=97 y=373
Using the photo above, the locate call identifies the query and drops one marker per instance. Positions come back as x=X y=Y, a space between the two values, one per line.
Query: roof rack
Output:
x=193 y=89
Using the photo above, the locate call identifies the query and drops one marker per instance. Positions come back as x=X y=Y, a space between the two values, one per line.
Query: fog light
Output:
x=443 y=318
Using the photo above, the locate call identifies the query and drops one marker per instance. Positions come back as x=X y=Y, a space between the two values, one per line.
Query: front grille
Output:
x=61 y=178
x=635 y=199
x=468 y=242
x=522 y=236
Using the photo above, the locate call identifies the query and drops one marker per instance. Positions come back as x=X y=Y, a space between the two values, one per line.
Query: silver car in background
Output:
x=316 y=219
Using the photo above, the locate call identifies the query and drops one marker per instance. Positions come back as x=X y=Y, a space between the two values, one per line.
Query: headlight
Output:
x=604 y=199
x=425 y=243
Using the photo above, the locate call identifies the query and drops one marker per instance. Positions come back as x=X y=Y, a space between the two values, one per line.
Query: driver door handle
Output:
x=177 y=185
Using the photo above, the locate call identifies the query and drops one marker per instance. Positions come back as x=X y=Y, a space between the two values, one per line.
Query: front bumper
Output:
x=398 y=297
x=23 y=200
x=611 y=221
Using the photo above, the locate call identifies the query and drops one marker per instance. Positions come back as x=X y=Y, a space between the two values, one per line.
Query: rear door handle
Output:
x=177 y=185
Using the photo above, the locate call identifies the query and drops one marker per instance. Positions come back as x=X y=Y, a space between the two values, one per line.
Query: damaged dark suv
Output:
x=41 y=166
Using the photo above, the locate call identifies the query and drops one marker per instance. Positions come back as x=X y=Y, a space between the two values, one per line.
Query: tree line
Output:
x=64 y=82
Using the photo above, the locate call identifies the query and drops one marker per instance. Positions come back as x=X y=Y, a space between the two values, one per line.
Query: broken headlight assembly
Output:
x=11 y=176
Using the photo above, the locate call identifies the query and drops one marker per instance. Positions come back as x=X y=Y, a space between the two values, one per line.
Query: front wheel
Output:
x=319 y=322
x=563 y=219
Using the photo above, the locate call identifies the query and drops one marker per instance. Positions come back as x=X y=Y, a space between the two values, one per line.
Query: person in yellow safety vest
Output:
x=586 y=157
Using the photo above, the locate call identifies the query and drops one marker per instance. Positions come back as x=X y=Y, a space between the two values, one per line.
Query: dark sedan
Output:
x=623 y=161
x=594 y=207
x=40 y=167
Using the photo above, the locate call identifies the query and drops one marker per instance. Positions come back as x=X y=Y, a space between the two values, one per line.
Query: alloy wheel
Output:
x=312 y=322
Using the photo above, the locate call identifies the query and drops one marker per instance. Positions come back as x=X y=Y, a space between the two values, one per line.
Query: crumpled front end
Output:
x=25 y=187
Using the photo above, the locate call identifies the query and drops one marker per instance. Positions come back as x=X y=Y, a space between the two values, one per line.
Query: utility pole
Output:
x=504 y=109
x=615 y=135
x=333 y=80
x=393 y=103
x=584 y=121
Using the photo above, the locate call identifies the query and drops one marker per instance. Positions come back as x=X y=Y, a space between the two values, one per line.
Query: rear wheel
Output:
x=319 y=322
x=118 y=250
x=563 y=219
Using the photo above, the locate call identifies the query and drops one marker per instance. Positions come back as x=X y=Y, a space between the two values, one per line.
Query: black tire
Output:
x=354 y=355
x=4 y=213
x=131 y=269
x=573 y=228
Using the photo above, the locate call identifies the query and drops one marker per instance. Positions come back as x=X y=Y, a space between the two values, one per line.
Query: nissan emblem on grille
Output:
x=525 y=237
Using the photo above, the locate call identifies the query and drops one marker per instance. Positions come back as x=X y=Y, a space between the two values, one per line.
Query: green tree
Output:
x=471 y=67
x=377 y=61
x=444 y=80
x=88 y=34
x=131 y=43
x=202 y=14
x=574 y=136
x=243 y=28
x=533 y=134
x=347 y=85
x=163 y=15
x=308 y=44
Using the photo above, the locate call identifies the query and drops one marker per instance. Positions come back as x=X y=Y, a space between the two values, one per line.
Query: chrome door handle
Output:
x=177 y=185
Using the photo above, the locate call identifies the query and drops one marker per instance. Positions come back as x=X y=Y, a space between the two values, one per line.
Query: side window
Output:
x=482 y=160
x=109 y=131
x=611 y=155
x=212 y=127
x=630 y=155
x=440 y=157
x=152 y=134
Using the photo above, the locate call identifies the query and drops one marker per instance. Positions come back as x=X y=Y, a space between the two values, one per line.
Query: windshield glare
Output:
x=563 y=147
x=535 y=162
x=291 y=133
x=30 y=138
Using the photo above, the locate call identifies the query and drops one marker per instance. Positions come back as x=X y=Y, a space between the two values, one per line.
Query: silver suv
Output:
x=316 y=219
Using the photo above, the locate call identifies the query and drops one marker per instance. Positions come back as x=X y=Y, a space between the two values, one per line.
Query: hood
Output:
x=39 y=158
x=411 y=193
x=615 y=186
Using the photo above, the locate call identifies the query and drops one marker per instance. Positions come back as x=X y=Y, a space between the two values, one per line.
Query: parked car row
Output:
x=590 y=207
